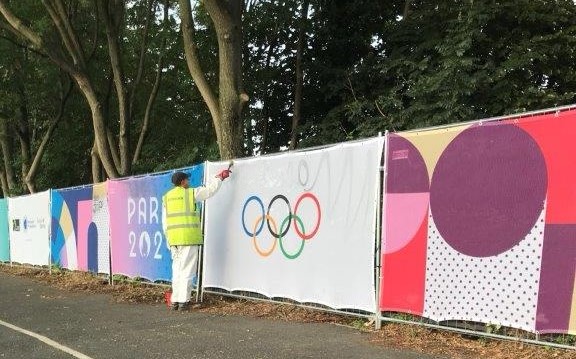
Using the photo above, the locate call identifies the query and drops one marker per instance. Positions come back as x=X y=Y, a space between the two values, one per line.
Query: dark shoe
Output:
x=174 y=306
x=184 y=306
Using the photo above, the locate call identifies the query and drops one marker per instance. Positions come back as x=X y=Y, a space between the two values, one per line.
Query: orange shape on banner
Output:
x=431 y=143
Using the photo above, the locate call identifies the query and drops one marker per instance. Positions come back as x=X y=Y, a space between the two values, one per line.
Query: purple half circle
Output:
x=407 y=171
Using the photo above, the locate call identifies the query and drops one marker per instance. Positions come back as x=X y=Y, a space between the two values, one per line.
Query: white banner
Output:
x=29 y=221
x=297 y=225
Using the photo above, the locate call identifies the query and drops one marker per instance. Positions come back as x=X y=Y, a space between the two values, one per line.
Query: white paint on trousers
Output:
x=184 y=265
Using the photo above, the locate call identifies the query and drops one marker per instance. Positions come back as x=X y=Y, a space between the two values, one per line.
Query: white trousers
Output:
x=184 y=265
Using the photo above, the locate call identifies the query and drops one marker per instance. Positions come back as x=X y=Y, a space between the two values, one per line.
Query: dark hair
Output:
x=178 y=177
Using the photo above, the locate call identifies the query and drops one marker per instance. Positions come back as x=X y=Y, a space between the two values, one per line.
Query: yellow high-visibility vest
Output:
x=182 y=218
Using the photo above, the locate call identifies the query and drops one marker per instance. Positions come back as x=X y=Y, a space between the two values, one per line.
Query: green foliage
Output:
x=56 y=269
x=486 y=59
x=367 y=68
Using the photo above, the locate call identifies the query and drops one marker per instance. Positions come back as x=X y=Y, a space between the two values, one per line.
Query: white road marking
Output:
x=46 y=340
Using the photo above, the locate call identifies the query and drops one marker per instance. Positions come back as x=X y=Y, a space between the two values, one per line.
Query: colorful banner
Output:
x=297 y=225
x=138 y=245
x=480 y=223
x=29 y=227
x=80 y=228
x=4 y=237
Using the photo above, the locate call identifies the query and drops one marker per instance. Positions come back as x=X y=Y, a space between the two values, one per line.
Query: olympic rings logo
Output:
x=280 y=233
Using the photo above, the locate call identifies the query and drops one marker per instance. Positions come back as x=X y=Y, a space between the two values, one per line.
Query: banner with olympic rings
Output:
x=297 y=225
x=138 y=245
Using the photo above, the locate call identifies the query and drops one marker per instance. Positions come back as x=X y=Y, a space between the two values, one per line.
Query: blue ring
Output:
x=257 y=199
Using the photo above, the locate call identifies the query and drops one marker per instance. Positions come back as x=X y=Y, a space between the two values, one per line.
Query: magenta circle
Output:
x=488 y=189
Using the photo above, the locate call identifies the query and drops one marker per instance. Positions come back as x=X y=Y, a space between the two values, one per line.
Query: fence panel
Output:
x=298 y=225
x=138 y=245
x=480 y=223
x=29 y=221
x=80 y=233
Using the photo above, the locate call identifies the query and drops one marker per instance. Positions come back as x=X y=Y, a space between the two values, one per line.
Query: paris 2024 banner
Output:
x=80 y=228
x=138 y=245
x=480 y=223
x=298 y=225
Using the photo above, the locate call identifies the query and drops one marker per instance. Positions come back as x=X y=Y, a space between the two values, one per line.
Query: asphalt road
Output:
x=96 y=327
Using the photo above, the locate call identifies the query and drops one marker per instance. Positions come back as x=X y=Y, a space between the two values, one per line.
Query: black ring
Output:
x=279 y=196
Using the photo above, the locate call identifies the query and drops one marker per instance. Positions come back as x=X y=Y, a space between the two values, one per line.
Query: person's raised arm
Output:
x=202 y=193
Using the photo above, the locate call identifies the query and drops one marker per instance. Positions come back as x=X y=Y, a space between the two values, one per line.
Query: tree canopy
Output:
x=99 y=89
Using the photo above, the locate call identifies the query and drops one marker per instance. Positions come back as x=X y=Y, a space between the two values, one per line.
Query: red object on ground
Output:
x=168 y=298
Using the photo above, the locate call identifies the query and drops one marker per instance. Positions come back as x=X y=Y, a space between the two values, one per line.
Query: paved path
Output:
x=96 y=327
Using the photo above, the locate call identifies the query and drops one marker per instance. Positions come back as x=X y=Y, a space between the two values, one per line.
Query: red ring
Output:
x=300 y=234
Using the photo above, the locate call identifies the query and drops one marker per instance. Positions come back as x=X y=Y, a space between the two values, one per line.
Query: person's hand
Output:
x=224 y=174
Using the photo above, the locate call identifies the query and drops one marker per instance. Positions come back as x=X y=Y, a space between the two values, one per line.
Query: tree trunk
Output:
x=155 y=88
x=267 y=96
x=7 y=154
x=77 y=69
x=406 y=9
x=112 y=14
x=4 y=181
x=225 y=110
x=23 y=129
x=148 y=112
x=25 y=154
x=296 y=118
x=100 y=131
x=149 y=13
x=228 y=25
x=30 y=178
x=96 y=165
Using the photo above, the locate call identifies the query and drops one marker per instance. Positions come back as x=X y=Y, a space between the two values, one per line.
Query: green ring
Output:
x=287 y=221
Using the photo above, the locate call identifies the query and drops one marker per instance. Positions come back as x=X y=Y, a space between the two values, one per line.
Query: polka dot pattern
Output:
x=500 y=289
x=100 y=217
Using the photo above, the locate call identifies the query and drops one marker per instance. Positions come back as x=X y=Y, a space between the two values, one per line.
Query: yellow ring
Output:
x=268 y=252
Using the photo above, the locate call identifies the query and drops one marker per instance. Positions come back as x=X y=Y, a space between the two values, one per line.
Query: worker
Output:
x=182 y=228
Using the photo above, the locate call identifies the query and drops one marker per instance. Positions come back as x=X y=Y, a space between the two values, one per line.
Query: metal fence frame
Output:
x=378 y=317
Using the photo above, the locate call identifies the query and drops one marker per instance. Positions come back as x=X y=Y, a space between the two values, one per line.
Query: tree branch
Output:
x=112 y=27
x=143 y=41
x=110 y=137
x=24 y=31
x=406 y=9
x=299 y=75
x=72 y=35
x=19 y=26
x=154 y=92
x=29 y=179
x=96 y=32
x=23 y=46
x=59 y=20
x=7 y=153
x=193 y=61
